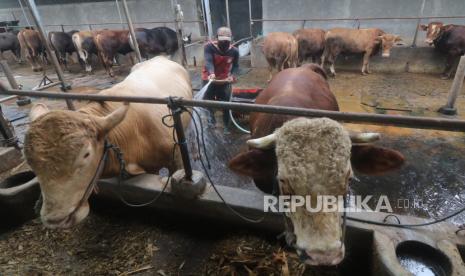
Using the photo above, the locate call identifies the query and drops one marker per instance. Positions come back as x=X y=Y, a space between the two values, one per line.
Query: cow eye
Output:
x=86 y=155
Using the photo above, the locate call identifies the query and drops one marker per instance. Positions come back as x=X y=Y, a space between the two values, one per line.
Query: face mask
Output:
x=223 y=45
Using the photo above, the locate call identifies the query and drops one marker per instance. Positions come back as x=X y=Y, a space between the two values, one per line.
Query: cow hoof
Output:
x=445 y=77
x=364 y=73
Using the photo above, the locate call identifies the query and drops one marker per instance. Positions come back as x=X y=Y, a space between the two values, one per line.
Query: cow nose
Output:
x=386 y=55
x=329 y=257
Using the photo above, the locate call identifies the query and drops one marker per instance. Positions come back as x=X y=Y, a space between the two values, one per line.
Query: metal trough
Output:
x=390 y=249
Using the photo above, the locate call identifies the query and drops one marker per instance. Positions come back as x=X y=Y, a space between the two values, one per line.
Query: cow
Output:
x=9 y=42
x=311 y=44
x=32 y=47
x=84 y=43
x=308 y=157
x=448 y=39
x=156 y=41
x=109 y=43
x=62 y=44
x=281 y=51
x=357 y=41
x=64 y=147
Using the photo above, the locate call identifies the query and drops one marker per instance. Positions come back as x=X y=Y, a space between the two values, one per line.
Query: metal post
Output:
x=131 y=30
x=449 y=108
x=415 y=36
x=119 y=14
x=227 y=13
x=62 y=28
x=24 y=13
x=7 y=132
x=178 y=25
x=35 y=15
x=250 y=18
x=176 y=111
x=204 y=16
x=11 y=79
x=209 y=19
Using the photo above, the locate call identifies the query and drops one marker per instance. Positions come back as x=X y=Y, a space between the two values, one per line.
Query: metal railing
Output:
x=348 y=117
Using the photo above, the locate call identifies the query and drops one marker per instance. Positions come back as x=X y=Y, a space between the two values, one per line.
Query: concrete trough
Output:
x=387 y=250
x=402 y=59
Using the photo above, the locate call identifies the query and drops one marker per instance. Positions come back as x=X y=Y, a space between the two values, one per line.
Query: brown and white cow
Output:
x=62 y=44
x=32 y=47
x=311 y=44
x=281 y=51
x=357 y=41
x=84 y=43
x=448 y=39
x=309 y=157
x=109 y=43
x=64 y=147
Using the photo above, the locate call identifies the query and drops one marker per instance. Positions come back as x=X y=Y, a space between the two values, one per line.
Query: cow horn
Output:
x=265 y=142
x=108 y=122
x=366 y=137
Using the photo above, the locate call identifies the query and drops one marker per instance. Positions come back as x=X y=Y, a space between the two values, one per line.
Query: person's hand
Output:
x=231 y=79
x=211 y=77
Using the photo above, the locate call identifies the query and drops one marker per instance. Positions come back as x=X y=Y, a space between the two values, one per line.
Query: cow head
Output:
x=64 y=148
x=314 y=158
x=433 y=30
x=387 y=42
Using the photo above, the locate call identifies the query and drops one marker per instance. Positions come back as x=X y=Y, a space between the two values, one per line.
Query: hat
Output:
x=224 y=33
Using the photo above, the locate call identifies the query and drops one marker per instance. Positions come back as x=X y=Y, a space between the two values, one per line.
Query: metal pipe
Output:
x=348 y=117
x=176 y=111
x=35 y=15
x=131 y=30
x=24 y=13
x=226 y=2
x=449 y=108
x=415 y=36
x=250 y=18
x=178 y=19
x=209 y=18
x=13 y=84
x=360 y=18
x=43 y=87
x=7 y=132
x=2 y=100
x=119 y=14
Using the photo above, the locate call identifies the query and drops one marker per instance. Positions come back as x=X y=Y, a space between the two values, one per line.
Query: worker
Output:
x=221 y=64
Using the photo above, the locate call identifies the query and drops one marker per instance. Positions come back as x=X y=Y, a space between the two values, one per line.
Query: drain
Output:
x=422 y=259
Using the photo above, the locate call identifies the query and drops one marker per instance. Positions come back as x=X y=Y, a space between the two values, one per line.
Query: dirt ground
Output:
x=117 y=240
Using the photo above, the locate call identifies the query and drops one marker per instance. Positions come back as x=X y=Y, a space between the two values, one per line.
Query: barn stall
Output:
x=175 y=235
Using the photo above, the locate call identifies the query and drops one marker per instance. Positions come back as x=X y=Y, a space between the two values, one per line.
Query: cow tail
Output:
x=78 y=45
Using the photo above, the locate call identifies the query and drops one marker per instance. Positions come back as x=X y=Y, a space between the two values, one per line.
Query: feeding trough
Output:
x=18 y=195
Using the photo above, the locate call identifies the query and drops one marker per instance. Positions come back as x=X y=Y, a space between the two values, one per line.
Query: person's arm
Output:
x=208 y=57
x=235 y=65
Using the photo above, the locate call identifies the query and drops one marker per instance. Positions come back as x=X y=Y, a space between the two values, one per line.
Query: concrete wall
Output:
x=80 y=14
x=304 y=9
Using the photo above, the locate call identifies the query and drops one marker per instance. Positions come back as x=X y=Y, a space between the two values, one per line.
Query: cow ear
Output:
x=254 y=163
x=372 y=160
x=38 y=110
x=423 y=27
x=107 y=123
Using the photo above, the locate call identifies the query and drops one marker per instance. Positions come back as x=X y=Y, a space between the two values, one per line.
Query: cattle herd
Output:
x=285 y=50
x=105 y=44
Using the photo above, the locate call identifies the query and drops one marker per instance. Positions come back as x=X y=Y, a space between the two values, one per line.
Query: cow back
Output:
x=304 y=87
x=451 y=40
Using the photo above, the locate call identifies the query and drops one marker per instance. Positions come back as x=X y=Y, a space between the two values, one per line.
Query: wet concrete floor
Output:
x=432 y=180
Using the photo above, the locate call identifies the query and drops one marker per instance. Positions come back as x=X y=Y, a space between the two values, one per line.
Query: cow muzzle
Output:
x=429 y=42
x=386 y=54
x=320 y=258
x=53 y=222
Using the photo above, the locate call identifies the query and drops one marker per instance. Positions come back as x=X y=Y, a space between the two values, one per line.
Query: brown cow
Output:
x=309 y=157
x=357 y=41
x=281 y=51
x=311 y=44
x=109 y=43
x=32 y=47
x=448 y=39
